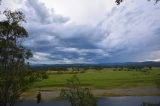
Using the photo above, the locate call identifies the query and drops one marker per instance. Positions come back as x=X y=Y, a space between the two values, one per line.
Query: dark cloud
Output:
x=45 y=15
x=130 y=32
x=133 y=31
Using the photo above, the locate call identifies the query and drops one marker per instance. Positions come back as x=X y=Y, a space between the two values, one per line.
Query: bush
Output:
x=77 y=95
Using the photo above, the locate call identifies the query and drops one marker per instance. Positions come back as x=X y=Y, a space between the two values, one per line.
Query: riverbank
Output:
x=52 y=93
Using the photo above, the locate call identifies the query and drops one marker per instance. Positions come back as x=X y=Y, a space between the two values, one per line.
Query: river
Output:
x=102 y=101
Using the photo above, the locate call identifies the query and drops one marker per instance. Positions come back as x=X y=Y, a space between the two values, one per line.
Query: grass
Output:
x=105 y=79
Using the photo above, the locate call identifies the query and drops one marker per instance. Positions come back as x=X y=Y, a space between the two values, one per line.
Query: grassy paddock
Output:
x=106 y=79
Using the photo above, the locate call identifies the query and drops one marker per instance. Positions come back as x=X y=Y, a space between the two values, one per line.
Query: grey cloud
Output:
x=66 y=37
x=41 y=12
x=132 y=32
x=129 y=33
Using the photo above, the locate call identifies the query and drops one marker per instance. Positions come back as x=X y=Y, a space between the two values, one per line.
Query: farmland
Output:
x=106 y=78
x=103 y=82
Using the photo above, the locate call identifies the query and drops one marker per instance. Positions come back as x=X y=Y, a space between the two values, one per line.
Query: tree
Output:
x=77 y=95
x=15 y=77
x=119 y=1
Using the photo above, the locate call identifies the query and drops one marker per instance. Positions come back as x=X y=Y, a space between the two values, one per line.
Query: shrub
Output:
x=77 y=95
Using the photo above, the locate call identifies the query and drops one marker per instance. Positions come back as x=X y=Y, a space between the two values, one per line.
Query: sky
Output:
x=90 y=31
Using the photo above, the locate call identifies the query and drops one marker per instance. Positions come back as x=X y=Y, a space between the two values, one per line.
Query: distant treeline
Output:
x=84 y=67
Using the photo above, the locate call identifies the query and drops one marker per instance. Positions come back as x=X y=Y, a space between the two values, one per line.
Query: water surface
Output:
x=103 y=101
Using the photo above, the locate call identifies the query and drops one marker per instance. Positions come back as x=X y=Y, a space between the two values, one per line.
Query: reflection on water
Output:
x=104 y=101
x=150 y=104
x=45 y=103
x=127 y=101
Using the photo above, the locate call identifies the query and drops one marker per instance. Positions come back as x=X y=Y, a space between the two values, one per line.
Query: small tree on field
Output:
x=14 y=75
x=77 y=95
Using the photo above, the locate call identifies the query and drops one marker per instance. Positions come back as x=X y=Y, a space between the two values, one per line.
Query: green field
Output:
x=105 y=79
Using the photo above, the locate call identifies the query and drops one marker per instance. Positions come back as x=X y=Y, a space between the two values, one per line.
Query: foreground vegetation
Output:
x=77 y=95
x=15 y=76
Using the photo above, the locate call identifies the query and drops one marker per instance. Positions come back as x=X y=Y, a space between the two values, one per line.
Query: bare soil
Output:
x=103 y=92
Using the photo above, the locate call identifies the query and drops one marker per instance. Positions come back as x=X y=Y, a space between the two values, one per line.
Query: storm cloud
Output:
x=129 y=32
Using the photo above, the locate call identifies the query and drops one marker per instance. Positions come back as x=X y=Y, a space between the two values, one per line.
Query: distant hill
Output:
x=144 y=64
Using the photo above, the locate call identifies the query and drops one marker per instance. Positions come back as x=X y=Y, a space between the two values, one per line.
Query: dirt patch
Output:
x=145 y=91
x=103 y=92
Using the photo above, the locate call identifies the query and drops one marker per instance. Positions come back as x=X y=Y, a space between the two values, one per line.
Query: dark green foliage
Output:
x=150 y=67
x=77 y=95
x=48 y=68
x=15 y=77
x=119 y=1
x=39 y=75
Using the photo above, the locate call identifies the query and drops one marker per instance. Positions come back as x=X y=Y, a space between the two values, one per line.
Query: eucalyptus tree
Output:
x=15 y=77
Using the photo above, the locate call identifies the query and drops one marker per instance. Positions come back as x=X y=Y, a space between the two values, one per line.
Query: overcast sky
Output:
x=90 y=31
